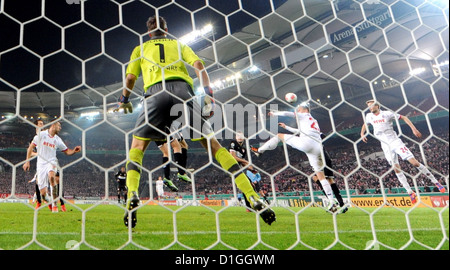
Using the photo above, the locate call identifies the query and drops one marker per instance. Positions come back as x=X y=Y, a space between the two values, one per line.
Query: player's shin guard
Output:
x=134 y=170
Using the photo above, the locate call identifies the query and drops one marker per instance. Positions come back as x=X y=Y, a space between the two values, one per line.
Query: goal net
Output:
x=66 y=62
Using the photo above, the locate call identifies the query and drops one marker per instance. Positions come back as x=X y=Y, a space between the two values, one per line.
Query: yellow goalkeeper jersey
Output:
x=161 y=57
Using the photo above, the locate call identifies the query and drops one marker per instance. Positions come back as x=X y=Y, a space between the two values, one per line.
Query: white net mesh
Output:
x=66 y=60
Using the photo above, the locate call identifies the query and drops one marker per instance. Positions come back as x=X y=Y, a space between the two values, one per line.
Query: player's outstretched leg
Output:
x=229 y=163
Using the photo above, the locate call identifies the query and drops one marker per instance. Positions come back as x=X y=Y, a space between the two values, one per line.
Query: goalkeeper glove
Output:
x=208 y=103
x=124 y=104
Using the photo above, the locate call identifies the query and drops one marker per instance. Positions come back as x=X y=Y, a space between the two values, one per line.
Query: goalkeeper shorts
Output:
x=175 y=103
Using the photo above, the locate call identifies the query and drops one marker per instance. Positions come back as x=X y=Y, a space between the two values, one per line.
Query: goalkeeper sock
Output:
x=184 y=157
x=178 y=160
x=269 y=145
x=229 y=163
x=166 y=168
x=427 y=173
x=133 y=170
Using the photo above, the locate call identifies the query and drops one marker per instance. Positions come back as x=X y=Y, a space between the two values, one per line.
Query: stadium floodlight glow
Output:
x=253 y=69
x=416 y=71
x=196 y=34
x=218 y=84
x=441 y=64
x=89 y=114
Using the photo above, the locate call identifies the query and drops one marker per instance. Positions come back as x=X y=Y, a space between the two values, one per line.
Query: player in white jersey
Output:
x=47 y=143
x=160 y=188
x=393 y=146
x=306 y=139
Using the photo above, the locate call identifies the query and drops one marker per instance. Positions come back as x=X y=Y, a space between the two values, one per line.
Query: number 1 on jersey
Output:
x=162 y=55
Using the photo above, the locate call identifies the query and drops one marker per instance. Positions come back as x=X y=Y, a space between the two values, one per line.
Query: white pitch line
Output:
x=222 y=233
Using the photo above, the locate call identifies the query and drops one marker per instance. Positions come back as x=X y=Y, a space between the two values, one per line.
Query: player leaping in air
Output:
x=308 y=140
x=393 y=146
x=167 y=85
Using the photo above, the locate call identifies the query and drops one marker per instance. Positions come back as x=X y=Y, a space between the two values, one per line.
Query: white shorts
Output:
x=311 y=147
x=42 y=174
x=394 y=149
x=160 y=191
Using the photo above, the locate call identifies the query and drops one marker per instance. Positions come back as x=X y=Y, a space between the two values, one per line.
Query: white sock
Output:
x=402 y=178
x=270 y=144
x=327 y=188
x=427 y=173
x=52 y=189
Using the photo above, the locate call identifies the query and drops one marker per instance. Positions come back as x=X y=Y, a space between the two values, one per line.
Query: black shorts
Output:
x=329 y=165
x=122 y=184
x=257 y=186
x=164 y=106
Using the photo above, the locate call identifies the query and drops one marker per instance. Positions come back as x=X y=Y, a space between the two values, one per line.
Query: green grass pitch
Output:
x=220 y=228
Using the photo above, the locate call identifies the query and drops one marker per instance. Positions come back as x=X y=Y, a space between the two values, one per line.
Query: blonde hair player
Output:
x=393 y=146
x=308 y=140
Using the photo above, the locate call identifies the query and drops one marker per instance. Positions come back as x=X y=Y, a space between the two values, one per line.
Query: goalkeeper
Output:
x=168 y=85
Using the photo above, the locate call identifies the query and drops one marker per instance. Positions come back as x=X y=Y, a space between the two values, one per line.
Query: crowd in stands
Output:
x=283 y=169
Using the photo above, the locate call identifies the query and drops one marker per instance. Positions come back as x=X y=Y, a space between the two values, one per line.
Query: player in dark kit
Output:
x=121 y=177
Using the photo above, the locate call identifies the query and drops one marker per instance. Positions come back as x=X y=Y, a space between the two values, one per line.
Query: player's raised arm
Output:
x=202 y=75
x=411 y=125
x=282 y=113
x=288 y=128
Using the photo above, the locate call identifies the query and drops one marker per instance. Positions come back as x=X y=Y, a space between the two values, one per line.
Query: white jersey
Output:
x=47 y=146
x=159 y=184
x=160 y=187
x=382 y=124
x=308 y=126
